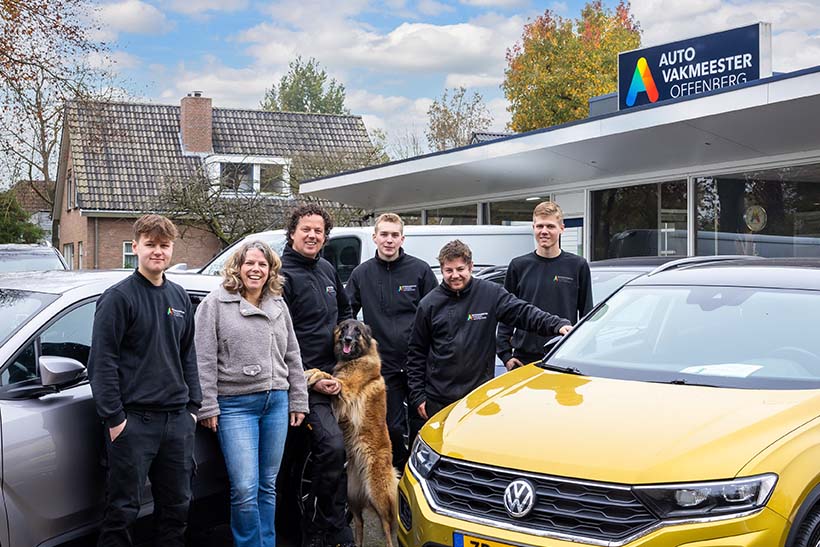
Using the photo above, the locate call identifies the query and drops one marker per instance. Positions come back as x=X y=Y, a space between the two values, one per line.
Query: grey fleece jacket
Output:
x=243 y=349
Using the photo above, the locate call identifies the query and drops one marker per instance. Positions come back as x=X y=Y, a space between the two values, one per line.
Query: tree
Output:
x=452 y=120
x=561 y=63
x=36 y=35
x=14 y=222
x=305 y=88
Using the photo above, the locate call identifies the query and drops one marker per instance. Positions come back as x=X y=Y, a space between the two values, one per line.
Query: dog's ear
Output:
x=337 y=332
x=367 y=334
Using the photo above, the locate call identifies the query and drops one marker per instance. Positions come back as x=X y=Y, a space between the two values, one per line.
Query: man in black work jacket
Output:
x=452 y=345
x=388 y=289
x=317 y=303
x=144 y=379
x=549 y=278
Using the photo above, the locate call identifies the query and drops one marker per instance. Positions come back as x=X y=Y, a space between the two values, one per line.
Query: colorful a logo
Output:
x=170 y=311
x=642 y=81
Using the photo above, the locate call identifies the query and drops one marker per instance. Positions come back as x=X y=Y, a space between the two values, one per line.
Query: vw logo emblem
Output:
x=519 y=498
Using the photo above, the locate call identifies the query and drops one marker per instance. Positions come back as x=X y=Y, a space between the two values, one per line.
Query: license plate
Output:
x=465 y=540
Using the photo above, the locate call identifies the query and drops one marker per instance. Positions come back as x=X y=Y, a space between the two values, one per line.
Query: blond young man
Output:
x=387 y=289
x=549 y=278
x=146 y=389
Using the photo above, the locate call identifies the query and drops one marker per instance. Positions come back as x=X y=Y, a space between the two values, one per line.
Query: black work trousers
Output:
x=158 y=446
x=325 y=508
x=403 y=423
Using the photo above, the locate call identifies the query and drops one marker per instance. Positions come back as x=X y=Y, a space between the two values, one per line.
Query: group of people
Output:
x=237 y=369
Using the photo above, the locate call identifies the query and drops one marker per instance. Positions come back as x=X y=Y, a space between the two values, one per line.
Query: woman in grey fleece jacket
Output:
x=252 y=379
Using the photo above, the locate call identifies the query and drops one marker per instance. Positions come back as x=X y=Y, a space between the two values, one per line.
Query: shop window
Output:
x=772 y=213
x=640 y=220
x=461 y=215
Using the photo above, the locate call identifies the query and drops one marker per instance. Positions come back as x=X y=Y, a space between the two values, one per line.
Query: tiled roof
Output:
x=29 y=194
x=122 y=152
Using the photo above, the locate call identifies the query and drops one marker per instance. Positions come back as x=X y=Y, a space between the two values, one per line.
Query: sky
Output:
x=394 y=57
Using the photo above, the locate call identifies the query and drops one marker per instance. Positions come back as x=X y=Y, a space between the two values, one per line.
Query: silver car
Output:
x=53 y=455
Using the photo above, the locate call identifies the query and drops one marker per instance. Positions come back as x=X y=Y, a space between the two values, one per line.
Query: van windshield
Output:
x=214 y=267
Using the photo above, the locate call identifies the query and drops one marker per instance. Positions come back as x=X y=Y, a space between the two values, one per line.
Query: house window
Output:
x=80 y=255
x=272 y=179
x=69 y=189
x=237 y=176
x=129 y=259
x=68 y=254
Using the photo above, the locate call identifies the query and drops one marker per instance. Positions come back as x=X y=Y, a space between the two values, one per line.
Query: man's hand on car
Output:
x=563 y=331
x=513 y=363
x=115 y=431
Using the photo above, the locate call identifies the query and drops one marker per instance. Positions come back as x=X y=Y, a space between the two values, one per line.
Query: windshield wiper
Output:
x=685 y=382
x=558 y=368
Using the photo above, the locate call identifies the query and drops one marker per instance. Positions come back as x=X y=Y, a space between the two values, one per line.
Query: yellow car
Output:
x=683 y=411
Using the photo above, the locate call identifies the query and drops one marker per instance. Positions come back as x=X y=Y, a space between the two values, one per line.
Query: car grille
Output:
x=583 y=509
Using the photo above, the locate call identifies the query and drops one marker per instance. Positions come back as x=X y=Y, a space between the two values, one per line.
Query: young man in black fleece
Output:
x=548 y=278
x=388 y=289
x=317 y=303
x=452 y=345
x=145 y=384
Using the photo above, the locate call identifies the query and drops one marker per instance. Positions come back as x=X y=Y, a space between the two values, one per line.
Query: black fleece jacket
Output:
x=388 y=293
x=452 y=346
x=559 y=285
x=317 y=302
x=142 y=350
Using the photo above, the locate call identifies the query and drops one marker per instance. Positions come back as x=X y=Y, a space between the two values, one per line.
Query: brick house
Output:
x=116 y=157
x=30 y=195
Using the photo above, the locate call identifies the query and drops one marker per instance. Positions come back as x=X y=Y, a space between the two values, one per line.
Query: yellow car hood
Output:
x=616 y=430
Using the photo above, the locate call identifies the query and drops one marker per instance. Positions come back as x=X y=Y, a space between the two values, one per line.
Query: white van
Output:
x=346 y=248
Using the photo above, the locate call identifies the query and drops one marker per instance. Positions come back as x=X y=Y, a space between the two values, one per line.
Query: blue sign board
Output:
x=694 y=66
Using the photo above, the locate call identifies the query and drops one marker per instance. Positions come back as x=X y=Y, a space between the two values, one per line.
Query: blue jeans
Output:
x=252 y=430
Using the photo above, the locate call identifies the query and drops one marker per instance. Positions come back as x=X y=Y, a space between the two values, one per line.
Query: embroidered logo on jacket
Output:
x=562 y=279
x=476 y=316
x=407 y=288
x=330 y=289
x=173 y=312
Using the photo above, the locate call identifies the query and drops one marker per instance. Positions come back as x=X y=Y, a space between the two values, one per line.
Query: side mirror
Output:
x=59 y=371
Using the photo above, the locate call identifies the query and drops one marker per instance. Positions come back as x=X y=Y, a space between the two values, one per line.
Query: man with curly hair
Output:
x=317 y=302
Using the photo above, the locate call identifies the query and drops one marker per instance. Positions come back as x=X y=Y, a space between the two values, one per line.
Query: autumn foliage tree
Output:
x=561 y=63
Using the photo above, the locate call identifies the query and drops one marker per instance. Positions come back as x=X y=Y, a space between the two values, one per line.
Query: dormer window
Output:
x=249 y=174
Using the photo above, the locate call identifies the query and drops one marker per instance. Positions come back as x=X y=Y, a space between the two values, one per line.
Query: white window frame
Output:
x=128 y=251
x=79 y=255
x=68 y=254
x=213 y=168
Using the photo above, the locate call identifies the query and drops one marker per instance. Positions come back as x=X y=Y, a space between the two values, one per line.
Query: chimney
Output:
x=196 y=123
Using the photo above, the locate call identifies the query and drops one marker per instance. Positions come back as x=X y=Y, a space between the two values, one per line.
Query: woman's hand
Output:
x=210 y=423
x=296 y=418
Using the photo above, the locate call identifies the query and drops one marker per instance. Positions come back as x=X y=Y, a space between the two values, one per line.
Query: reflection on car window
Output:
x=276 y=242
x=605 y=283
x=18 y=307
x=69 y=336
x=18 y=262
x=703 y=334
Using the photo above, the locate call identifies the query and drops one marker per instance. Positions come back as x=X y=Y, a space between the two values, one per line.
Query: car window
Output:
x=214 y=267
x=69 y=336
x=344 y=253
x=25 y=262
x=18 y=307
x=716 y=335
x=605 y=282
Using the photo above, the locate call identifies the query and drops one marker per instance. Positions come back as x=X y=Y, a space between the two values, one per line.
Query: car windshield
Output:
x=606 y=282
x=18 y=307
x=26 y=262
x=214 y=267
x=720 y=336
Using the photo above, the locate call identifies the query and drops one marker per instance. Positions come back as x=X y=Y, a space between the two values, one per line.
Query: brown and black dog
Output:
x=361 y=409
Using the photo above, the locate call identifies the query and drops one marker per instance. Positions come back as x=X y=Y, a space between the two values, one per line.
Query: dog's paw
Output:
x=314 y=375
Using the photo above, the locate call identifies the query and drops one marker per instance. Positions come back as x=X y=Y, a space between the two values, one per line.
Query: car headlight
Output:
x=423 y=458
x=705 y=499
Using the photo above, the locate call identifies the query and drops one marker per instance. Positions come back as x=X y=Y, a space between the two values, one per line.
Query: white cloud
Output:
x=228 y=87
x=132 y=16
x=432 y=7
x=116 y=61
x=495 y=3
x=795 y=24
x=498 y=110
x=473 y=80
x=198 y=7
